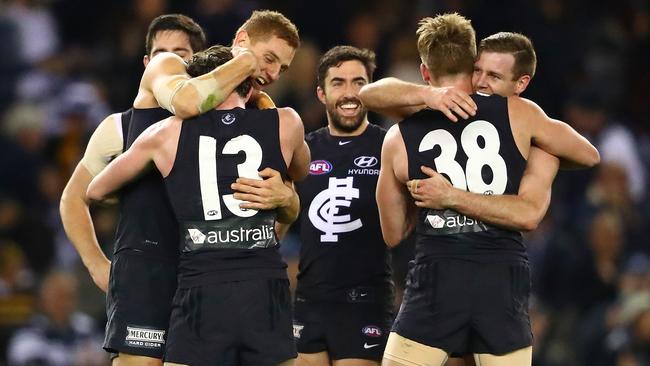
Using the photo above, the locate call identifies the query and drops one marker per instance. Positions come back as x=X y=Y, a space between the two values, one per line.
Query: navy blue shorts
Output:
x=343 y=330
x=138 y=304
x=232 y=323
x=467 y=307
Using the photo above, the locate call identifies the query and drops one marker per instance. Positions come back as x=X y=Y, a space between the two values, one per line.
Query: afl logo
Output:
x=371 y=331
x=318 y=167
x=366 y=161
x=228 y=118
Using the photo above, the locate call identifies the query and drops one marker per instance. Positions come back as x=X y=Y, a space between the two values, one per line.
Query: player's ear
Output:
x=241 y=39
x=321 y=94
x=521 y=84
x=424 y=71
x=145 y=60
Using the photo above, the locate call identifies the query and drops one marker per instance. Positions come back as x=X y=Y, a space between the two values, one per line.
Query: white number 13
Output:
x=471 y=178
x=208 y=173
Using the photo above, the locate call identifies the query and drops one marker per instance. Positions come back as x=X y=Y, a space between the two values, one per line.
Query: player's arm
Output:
x=105 y=142
x=396 y=209
x=167 y=79
x=522 y=212
x=554 y=136
x=267 y=194
x=292 y=142
x=398 y=99
x=127 y=166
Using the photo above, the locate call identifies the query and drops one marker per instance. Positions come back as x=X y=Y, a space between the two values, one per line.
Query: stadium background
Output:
x=65 y=64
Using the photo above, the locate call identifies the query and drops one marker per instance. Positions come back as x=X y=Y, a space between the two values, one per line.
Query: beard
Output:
x=345 y=123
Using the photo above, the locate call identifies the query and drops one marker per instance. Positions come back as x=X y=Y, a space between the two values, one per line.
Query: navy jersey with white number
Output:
x=478 y=155
x=342 y=245
x=219 y=241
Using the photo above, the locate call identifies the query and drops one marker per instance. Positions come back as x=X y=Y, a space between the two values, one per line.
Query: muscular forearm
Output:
x=205 y=92
x=507 y=211
x=77 y=221
x=393 y=97
x=289 y=213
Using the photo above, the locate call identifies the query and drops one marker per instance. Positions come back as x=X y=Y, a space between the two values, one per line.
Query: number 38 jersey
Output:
x=219 y=241
x=342 y=245
x=478 y=155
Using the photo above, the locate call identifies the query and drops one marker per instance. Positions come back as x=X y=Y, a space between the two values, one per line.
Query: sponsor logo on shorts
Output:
x=297 y=330
x=144 y=337
x=371 y=331
x=368 y=346
x=319 y=167
x=228 y=118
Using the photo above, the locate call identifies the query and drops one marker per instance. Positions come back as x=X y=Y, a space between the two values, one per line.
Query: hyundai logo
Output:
x=365 y=161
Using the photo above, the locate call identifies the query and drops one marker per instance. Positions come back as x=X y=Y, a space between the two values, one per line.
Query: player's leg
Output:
x=355 y=362
x=520 y=357
x=134 y=360
x=313 y=359
x=401 y=351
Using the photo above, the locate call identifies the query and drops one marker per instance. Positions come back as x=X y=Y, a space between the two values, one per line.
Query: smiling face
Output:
x=345 y=112
x=274 y=55
x=493 y=74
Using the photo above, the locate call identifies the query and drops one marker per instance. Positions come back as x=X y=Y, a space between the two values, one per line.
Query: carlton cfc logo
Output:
x=318 y=167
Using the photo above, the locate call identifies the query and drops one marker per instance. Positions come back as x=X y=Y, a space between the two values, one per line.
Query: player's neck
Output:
x=358 y=131
x=234 y=100
x=460 y=81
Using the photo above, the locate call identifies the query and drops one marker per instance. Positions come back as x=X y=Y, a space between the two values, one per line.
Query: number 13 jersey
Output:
x=478 y=155
x=342 y=245
x=219 y=241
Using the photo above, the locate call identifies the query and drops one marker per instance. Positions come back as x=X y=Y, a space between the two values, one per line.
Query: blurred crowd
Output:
x=66 y=64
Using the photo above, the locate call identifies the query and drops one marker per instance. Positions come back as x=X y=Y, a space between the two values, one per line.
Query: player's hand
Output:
x=100 y=273
x=236 y=51
x=261 y=100
x=451 y=101
x=430 y=192
x=269 y=193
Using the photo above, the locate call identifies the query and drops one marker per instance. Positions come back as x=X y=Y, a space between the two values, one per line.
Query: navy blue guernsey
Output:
x=146 y=225
x=342 y=245
x=219 y=241
x=478 y=155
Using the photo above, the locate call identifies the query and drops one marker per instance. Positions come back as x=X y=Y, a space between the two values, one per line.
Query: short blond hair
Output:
x=447 y=44
x=263 y=24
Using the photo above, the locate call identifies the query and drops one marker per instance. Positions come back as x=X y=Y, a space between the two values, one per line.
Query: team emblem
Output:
x=325 y=207
x=228 y=118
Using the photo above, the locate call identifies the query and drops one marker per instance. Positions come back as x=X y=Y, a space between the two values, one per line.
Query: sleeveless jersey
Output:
x=342 y=245
x=146 y=223
x=478 y=155
x=219 y=241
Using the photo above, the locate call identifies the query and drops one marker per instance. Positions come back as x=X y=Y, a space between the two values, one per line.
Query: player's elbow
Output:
x=529 y=220
x=392 y=238
x=184 y=109
x=94 y=193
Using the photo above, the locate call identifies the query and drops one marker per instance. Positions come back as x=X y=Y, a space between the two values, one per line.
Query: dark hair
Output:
x=516 y=44
x=263 y=24
x=336 y=55
x=176 y=22
x=205 y=61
